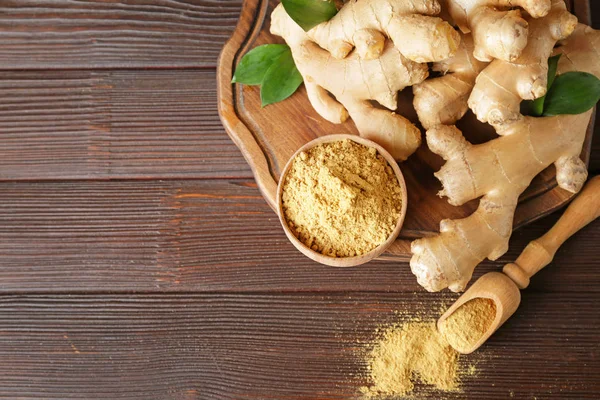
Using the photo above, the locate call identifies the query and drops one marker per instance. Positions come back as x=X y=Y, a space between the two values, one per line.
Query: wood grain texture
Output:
x=224 y=307
x=583 y=10
x=300 y=346
x=201 y=236
x=59 y=34
x=120 y=124
x=594 y=166
x=113 y=124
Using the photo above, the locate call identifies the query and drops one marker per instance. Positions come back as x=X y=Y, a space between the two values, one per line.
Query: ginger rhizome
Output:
x=493 y=91
x=443 y=100
x=503 y=85
x=354 y=81
x=499 y=171
x=410 y=24
x=499 y=30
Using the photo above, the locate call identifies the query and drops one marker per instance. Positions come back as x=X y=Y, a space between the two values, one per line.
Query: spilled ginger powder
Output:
x=341 y=199
x=465 y=326
x=414 y=351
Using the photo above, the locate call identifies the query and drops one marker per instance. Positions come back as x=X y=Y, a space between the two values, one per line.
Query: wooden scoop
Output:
x=503 y=288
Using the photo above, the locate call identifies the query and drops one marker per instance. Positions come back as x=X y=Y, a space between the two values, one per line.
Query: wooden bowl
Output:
x=343 y=261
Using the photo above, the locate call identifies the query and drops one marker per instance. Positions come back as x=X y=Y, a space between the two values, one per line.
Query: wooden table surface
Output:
x=138 y=259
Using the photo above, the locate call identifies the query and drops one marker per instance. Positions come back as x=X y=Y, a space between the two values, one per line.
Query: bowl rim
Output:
x=343 y=261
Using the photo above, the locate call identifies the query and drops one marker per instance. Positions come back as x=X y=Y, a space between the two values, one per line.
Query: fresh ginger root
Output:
x=443 y=100
x=495 y=91
x=409 y=24
x=502 y=86
x=499 y=32
x=354 y=82
x=580 y=49
x=500 y=170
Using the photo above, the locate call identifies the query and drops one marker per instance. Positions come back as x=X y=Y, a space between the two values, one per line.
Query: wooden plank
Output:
x=202 y=236
x=595 y=154
x=113 y=124
x=595 y=8
x=119 y=124
x=583 y=10
x=299 y=346
x=50 y=34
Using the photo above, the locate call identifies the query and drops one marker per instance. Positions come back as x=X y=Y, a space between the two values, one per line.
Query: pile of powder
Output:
x=341 y=199
x=465 y=326
x=414 y=351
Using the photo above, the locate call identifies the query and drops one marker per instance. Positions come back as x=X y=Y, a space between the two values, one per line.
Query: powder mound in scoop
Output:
x=414 y=351
x=465 y=326
x=341 y=199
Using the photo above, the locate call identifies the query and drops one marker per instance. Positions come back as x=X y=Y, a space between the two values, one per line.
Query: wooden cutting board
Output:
x=269 y=136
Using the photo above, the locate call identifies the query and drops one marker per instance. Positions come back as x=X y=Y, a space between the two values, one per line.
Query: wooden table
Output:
x=138 y=259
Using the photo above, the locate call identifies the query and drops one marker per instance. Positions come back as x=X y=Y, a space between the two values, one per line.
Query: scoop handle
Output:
x=540 y=252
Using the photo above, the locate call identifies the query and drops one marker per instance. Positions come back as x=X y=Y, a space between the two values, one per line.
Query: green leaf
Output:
x=572 y=93
x=309 y=13
x=552 y=67
x=281 y=80
x=535 y=107
x=254 y=65
x=531 y=108
x=271 y=66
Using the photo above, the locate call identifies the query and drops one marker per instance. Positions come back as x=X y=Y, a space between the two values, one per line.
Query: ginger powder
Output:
x=465 y=326
x=341 y=199
x=413 y=351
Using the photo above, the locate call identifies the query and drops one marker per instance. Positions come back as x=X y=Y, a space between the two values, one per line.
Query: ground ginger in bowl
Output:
x=342 y=200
